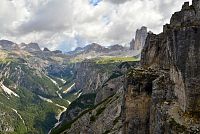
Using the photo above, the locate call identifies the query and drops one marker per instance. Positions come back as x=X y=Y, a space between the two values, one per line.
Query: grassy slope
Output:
x=39 y=116
x=106 y=60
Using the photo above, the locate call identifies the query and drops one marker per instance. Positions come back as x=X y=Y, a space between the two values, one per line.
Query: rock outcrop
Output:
x=140 y=38
x=8 y=45
x=177 y=49
x=102 y=119
x=132 y=44
x=31 y=47
x=46 y=50
x=116 y=47
x=89 y=76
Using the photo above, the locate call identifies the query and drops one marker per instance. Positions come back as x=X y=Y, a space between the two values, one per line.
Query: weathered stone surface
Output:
x=137 y=103
x=104 y=118
x=132 y=44
x=46 y=49
x=177 y=49
x=89 y=76
x=140 y=38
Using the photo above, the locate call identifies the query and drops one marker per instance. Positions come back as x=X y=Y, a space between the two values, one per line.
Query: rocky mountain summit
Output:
x=140 y=37
x=95 y=50
x=161 y=95
x=8 y=45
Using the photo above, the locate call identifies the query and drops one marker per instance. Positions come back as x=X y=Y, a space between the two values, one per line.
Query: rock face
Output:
x=7 y=45
x=147 y=97
x=132 y=44
x=57 y=52
x=89 y=76
x=140 y=38
x=177 y=49
x=107 y=102
x=102 y=118
x=116 y=48
x=32 y=47
x=46 y=50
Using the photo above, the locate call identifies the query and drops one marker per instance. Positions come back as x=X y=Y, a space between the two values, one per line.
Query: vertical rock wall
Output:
x=177 y=49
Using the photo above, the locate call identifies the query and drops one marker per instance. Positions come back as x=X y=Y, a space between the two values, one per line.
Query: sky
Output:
x=67 y=24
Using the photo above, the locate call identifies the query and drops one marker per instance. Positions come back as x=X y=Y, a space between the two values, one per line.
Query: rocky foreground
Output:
x=162 y=95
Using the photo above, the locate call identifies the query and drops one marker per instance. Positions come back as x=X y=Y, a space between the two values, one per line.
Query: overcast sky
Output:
x=67 y=24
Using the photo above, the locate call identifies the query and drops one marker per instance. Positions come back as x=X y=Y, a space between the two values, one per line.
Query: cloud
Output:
x=66 y=24
x=52 y=16
x=118 y=1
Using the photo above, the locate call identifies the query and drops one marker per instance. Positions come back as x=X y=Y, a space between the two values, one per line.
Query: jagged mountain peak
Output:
x=116 y=47
x=94 y=47
x=46 y=49
x=138 y=42
x=9 y=45
x=31 y=47
x=6 y=42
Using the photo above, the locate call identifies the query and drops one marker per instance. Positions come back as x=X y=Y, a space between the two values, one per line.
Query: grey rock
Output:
x=140 y=38
x=177 y=49
x=132 y=44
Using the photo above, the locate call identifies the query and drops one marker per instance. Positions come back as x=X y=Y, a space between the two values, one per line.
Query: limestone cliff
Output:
x=140 y=38
x=89 y=76
x=177 y=49
x=132 y=44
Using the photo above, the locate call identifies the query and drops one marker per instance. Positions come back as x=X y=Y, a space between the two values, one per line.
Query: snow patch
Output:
x=60 y=96
x=69 y=89
x=54 y=82
x=64 y=109
x=58 y=116
x=45 y=99
x=18 y=115
x=79 y=94
x=63 y=81
x=69 y=102
x=50 y=101
x=7 y=90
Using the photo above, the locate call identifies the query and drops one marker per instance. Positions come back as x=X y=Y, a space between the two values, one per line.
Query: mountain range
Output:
x=152 y=87
x=37 y=86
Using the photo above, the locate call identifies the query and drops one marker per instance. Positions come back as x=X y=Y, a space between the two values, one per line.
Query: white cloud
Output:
x=66 y=24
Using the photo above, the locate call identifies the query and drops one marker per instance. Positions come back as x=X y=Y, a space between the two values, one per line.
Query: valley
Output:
x=38 y=86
